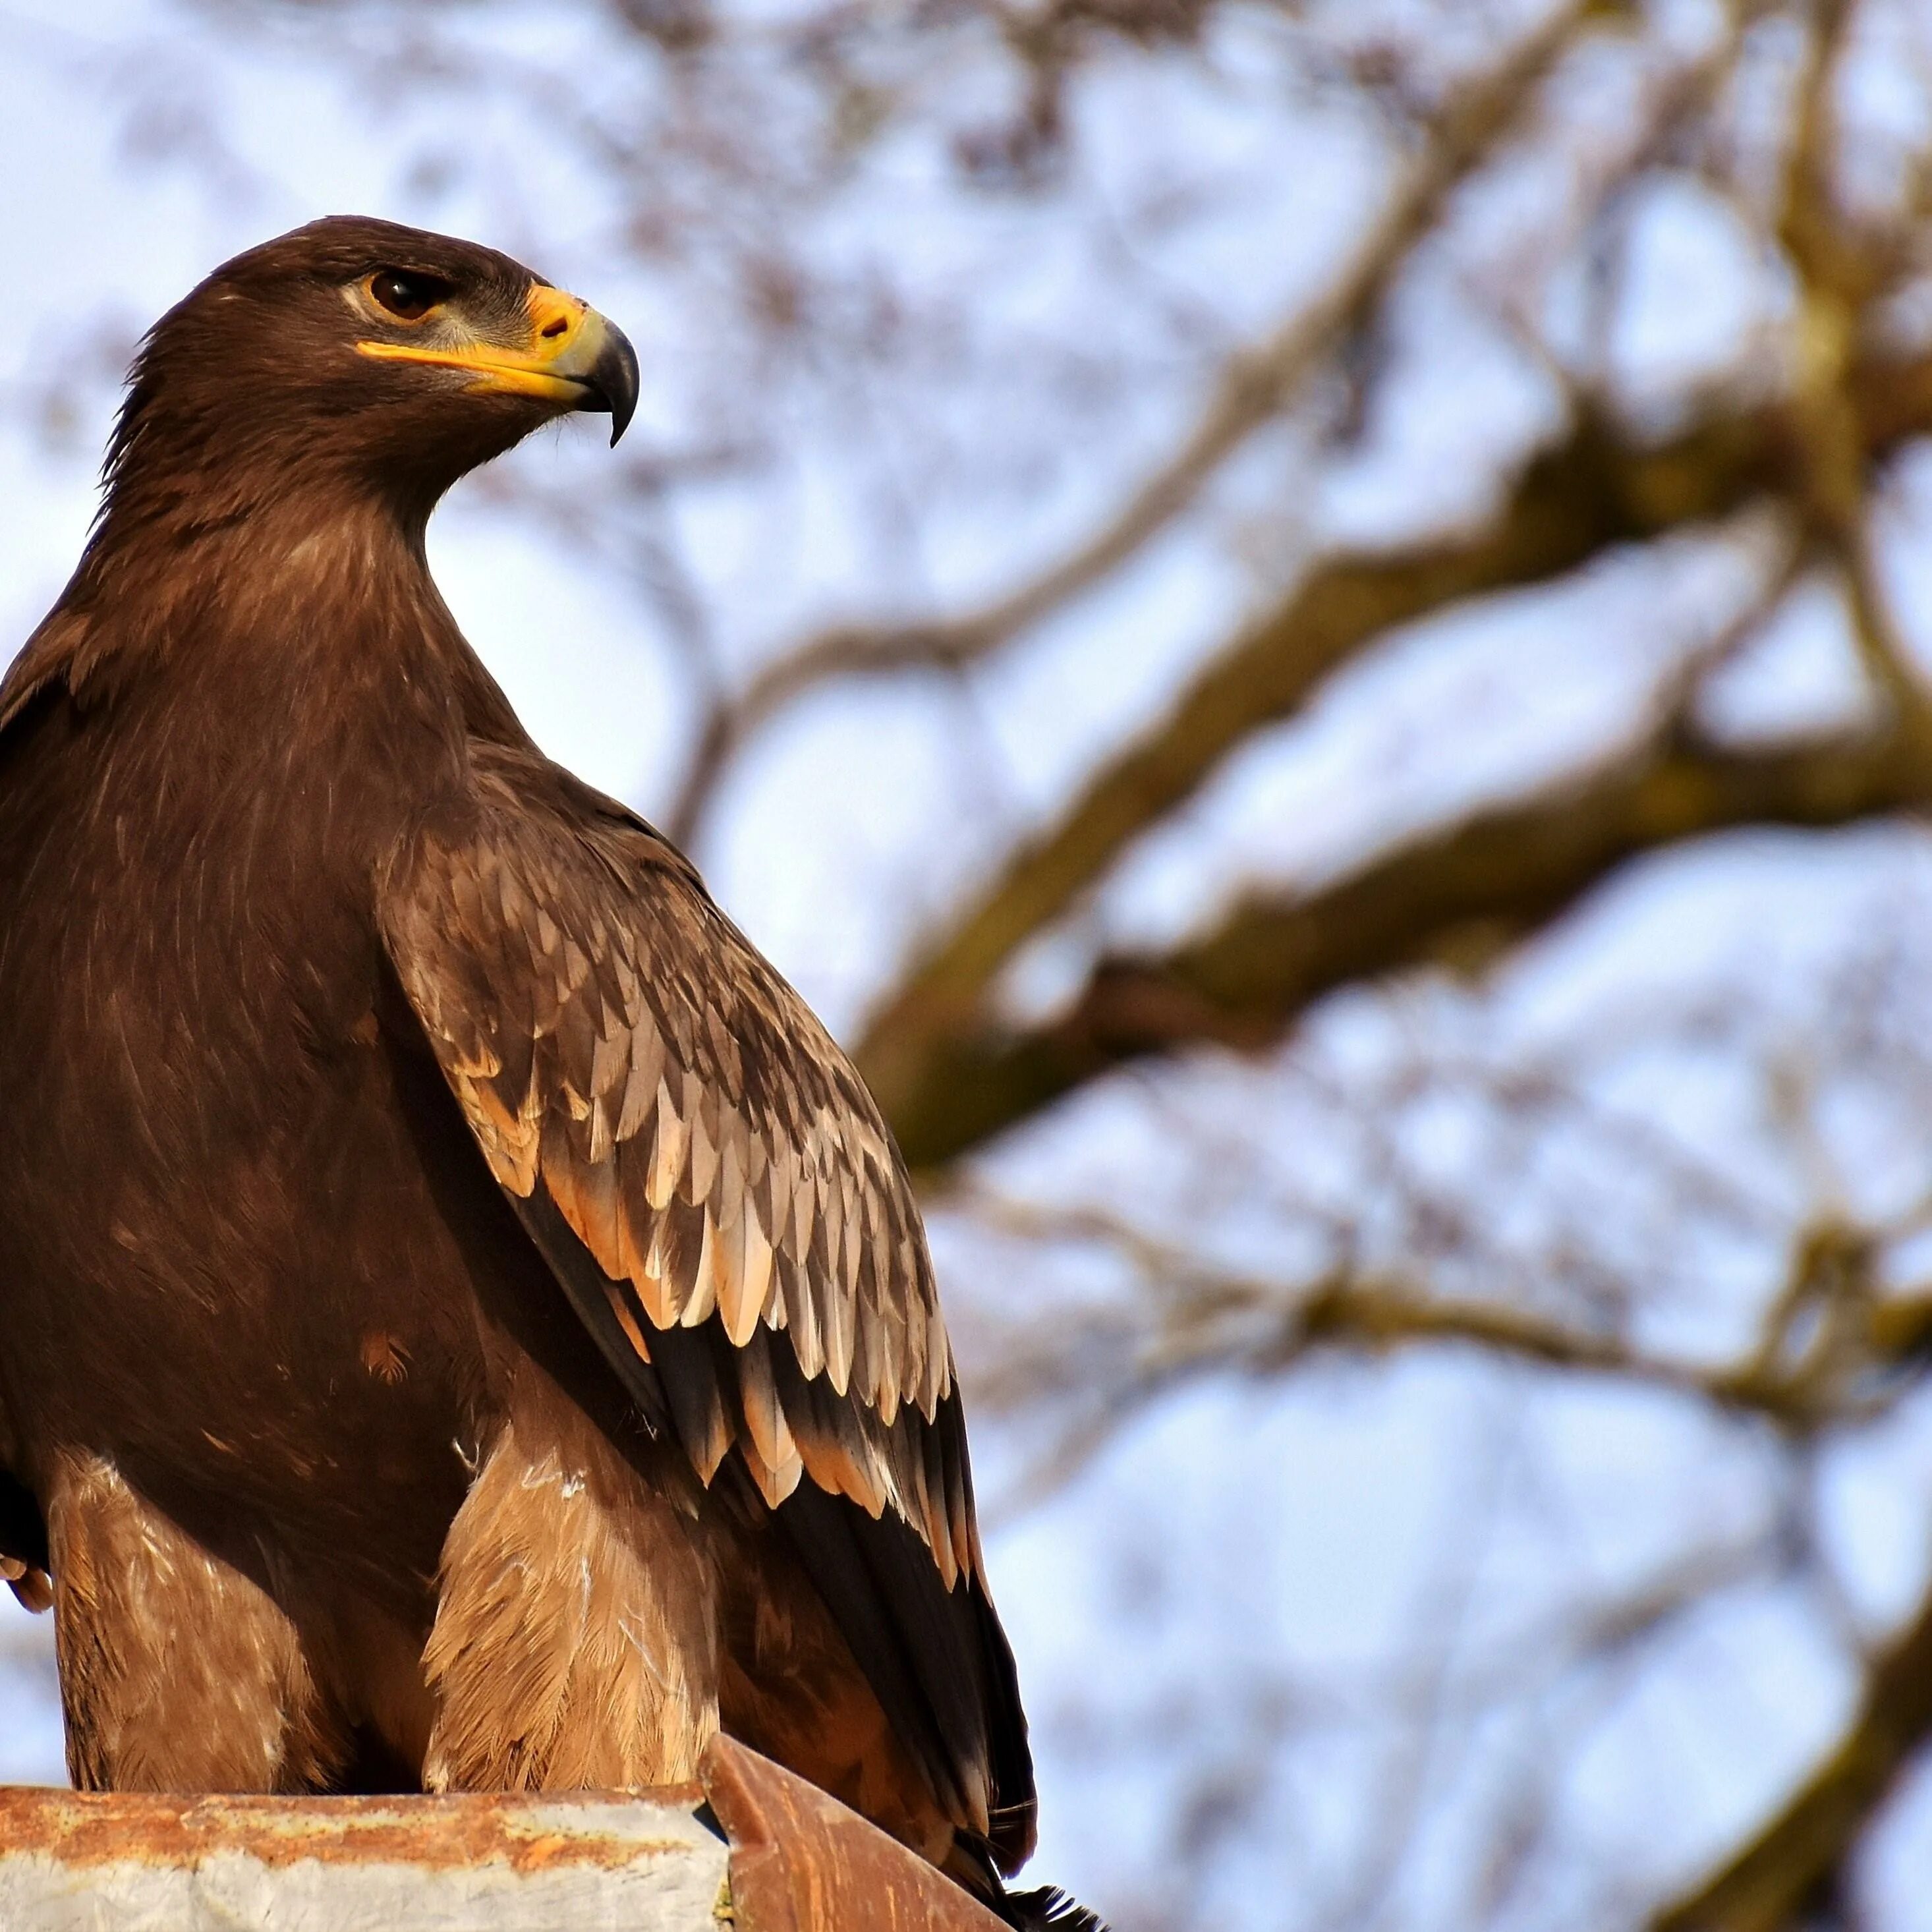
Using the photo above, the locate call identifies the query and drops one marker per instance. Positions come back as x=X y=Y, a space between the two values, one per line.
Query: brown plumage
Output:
x=462 y=1321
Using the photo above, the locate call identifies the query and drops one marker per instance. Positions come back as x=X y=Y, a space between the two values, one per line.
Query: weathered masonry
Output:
x=752 y=1848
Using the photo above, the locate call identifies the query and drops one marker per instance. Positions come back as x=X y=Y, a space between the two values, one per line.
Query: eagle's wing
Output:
x=714 y=1188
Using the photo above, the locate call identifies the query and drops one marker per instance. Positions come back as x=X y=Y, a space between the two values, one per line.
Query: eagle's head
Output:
x=357 y=355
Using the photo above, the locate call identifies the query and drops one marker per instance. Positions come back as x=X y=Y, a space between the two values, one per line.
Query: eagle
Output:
x=464 y=1323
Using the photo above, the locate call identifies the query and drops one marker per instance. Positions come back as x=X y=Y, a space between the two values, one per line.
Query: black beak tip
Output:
x=613 y=381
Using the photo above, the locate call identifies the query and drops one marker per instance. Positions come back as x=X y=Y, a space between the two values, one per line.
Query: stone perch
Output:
x=789 y=1859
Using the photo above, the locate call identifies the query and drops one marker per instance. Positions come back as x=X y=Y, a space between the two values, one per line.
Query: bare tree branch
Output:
x=1458 y=893
x=1770 y=1883
x=1256 y=386
x=936 y=1059
x=1838 y=272
x=1198 y=1319
x=1587 y=495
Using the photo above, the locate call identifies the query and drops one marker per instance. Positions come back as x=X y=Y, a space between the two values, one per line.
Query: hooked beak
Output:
x=575 y=358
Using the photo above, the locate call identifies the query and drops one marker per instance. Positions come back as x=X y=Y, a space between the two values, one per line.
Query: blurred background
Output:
x=1308 y=622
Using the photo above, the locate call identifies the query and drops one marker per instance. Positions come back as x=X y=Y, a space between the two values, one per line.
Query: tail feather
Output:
x=1047 y=1909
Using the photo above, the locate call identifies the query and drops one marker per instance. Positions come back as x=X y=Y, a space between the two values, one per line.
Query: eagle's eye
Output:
x=408 y=295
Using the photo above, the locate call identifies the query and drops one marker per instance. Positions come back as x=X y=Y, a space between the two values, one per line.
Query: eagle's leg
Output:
x=177 y=1671
x=575 y=1645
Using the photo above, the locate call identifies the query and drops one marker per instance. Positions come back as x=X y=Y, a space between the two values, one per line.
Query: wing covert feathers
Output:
x=625 y=1058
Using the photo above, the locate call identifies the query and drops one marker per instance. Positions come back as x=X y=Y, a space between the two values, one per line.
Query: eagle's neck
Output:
x=331 y=594
x=304 y=547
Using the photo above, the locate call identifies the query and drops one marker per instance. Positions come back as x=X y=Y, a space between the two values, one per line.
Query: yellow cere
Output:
x=565 y=336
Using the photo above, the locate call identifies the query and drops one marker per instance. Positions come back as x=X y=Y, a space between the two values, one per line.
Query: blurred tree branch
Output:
x=1777 y=1880
x=1256 y=386
x=949 y=1075
x=1589 y=494
x=1456 y=894
x=1840 y=271
x=1197 y=1319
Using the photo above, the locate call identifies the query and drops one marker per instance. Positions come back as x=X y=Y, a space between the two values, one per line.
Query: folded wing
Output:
x=722 y=1205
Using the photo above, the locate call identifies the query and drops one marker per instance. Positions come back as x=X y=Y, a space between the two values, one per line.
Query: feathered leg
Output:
x=177 y=1673
x=575 y=1645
